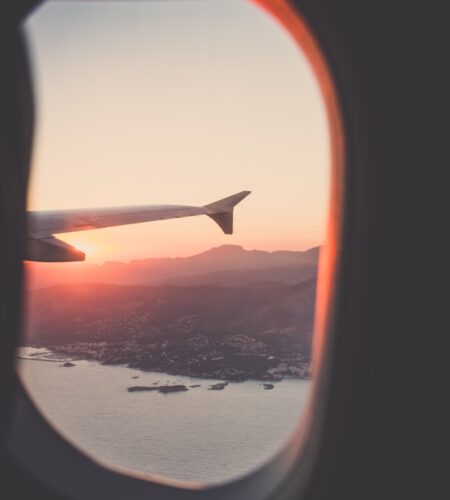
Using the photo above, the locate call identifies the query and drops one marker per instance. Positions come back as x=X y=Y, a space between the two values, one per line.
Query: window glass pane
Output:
x=173 y=349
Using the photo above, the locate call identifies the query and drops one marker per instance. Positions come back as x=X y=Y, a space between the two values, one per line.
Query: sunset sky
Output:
x=178 y=103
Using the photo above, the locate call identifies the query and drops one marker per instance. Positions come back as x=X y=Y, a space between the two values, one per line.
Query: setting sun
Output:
x=82 y=243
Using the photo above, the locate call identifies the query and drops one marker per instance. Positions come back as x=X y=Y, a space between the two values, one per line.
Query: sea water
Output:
x=200 y=435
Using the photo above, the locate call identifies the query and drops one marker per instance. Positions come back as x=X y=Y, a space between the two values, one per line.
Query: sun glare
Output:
x=81 y=243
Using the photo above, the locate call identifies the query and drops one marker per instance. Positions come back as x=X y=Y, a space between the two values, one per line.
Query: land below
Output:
x=249 y=315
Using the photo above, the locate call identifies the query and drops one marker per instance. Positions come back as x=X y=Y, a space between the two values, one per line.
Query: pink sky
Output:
x=177 y=102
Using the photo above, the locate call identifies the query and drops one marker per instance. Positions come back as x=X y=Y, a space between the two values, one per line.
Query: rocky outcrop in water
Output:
x=220 y=386
x=163 y=389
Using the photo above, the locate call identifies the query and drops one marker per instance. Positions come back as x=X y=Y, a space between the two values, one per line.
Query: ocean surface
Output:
x=198 y=435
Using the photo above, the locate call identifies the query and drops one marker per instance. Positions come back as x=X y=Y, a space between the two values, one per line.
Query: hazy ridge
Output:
x=227 y=264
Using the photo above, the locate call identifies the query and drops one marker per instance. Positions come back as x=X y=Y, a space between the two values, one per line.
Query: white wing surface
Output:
x=42 y=225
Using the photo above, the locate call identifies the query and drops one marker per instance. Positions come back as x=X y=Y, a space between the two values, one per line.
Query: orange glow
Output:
x=83 y=243
x=290 y=19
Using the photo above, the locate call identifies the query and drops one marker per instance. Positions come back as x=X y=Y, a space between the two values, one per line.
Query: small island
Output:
x=220 y=386
x=163 y=389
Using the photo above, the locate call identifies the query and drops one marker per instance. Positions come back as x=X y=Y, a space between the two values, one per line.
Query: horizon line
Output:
x=129 y=261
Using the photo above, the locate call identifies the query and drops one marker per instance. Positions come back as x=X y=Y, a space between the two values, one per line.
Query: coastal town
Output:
x=230 y=358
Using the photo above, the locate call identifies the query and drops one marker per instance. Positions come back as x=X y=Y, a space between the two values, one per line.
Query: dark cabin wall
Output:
x=382 y=434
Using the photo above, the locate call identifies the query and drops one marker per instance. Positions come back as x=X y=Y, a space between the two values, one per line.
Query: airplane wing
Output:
x=43 y=225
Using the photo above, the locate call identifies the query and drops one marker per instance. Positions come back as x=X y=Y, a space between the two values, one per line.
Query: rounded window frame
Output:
x=93 y=478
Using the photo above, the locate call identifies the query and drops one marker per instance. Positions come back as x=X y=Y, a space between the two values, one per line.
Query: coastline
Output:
x=236 y=367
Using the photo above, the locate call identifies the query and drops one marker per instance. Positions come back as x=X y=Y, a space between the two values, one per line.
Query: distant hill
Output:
x=103 y=312
x=224 y=265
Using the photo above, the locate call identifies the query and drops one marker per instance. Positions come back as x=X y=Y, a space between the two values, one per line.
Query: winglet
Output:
x=221 y=211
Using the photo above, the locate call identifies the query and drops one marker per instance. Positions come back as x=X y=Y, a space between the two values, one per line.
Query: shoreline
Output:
x=43 y=359
x=225 y=374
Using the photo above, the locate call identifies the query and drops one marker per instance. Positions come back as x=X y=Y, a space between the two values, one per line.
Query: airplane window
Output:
x=180 y=187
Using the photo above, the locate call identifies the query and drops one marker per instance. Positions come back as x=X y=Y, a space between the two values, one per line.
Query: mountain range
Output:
x=224 y=265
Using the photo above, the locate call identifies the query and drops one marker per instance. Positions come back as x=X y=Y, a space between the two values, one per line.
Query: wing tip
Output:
x=222 y=210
